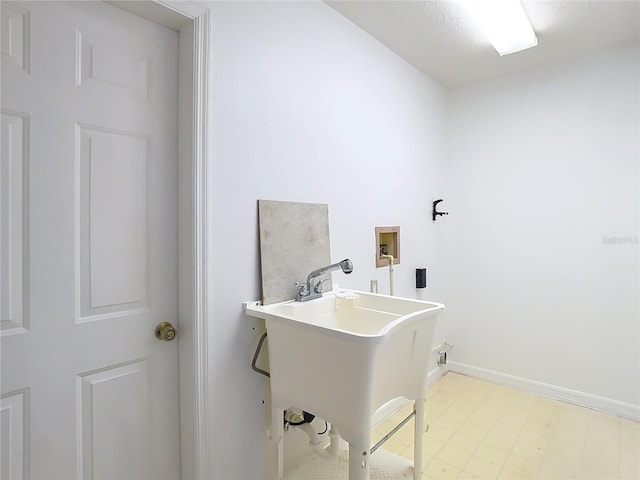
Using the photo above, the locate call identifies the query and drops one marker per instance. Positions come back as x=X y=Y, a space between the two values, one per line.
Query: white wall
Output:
x=542 y=169
x=306 y=107
x=535 y=170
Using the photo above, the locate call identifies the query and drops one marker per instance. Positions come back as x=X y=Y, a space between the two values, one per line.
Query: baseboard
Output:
x=436 y=374
x=396 y=404
x=621 y=409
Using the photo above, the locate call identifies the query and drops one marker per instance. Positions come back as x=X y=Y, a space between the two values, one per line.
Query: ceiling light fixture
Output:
x=505 y=23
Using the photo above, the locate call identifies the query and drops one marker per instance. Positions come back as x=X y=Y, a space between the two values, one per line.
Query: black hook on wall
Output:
x=435 y=213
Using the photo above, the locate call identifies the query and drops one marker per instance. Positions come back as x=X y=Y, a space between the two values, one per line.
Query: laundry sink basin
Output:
x=346 y=354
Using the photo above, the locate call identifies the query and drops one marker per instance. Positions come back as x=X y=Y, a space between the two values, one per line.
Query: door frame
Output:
x=193 y=20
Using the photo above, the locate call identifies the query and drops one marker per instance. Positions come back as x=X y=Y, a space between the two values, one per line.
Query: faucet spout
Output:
x=346 y=265
x=313 y=286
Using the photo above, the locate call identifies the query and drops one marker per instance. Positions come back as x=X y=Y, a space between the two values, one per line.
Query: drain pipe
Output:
x=327 y=453
x=390 y=258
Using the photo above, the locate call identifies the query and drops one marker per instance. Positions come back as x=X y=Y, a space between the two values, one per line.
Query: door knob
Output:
x=166 y=332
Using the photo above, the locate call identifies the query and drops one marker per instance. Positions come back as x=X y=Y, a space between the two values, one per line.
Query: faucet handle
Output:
x=302 y=286
x=318 y=287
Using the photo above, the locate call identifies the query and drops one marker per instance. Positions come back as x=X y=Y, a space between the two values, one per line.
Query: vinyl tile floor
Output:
x=480 y=430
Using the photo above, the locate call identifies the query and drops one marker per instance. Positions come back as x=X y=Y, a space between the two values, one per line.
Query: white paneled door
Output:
x=88 y=243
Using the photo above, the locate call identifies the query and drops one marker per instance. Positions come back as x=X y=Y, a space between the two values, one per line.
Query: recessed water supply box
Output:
x=387 y=243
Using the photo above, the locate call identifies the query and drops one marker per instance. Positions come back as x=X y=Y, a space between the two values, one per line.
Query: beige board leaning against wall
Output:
x=294 y=240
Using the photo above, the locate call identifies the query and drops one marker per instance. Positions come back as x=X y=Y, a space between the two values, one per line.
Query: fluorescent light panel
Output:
x=505 y=23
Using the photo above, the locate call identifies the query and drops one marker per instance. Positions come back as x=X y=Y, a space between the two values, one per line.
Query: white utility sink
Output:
x=342 y=356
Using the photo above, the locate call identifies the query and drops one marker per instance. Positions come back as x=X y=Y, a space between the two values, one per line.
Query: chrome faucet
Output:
x=312 y=288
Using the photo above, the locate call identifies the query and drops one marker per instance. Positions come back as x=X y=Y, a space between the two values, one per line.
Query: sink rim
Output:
x=270 y=313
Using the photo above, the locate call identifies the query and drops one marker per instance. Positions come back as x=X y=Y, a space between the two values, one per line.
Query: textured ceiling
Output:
x=440 y=39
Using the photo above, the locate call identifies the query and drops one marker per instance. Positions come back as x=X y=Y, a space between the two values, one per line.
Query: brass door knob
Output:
x=166 y=332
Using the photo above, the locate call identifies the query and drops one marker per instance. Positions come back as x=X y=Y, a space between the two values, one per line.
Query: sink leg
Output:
x=418 y=436
x=359 y=462
x=277 y=435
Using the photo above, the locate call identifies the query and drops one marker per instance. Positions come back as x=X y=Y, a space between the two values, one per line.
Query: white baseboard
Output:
x=436 y=374
x=396 y=404
x=615 y=407
x=388 y=409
